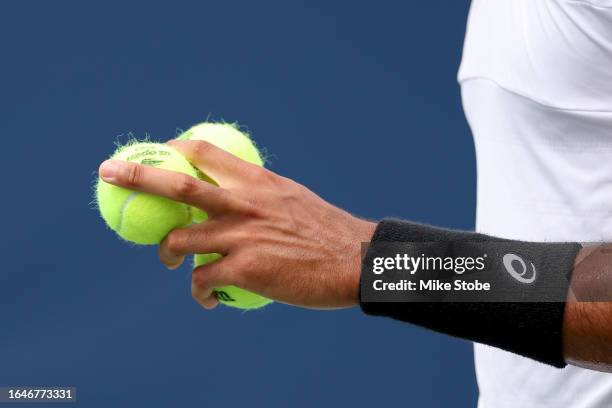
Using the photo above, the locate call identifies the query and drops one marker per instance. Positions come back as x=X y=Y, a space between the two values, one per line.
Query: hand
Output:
x=277 y=238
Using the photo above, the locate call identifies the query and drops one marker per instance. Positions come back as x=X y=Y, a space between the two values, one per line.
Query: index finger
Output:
x=223 y=167
x=170 y=184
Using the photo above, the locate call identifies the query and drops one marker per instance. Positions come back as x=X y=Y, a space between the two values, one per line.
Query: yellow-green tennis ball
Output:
x=138 y=217
x=232 y=295
x=225 y=136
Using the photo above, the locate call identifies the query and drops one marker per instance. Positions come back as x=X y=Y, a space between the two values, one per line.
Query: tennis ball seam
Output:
x=124 y=206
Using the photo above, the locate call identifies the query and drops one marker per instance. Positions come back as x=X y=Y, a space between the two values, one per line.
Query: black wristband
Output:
x=520 y=314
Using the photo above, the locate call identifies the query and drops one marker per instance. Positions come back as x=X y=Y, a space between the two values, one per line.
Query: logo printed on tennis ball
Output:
x=221 y=295
x=229 y=138
x=138 y=217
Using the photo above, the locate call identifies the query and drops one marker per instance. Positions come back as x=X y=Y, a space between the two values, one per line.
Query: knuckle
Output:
x=265 y=176
x=242 y=265
x=133 y=174
x=176 y=241
x=254 y=203
x=232 y=275
x=200 y=233
x=198 y=279
x=203 y=276
x=244 y=236
x=252 y=207
x=202 y=148
x=286 y=182
x=185 y=186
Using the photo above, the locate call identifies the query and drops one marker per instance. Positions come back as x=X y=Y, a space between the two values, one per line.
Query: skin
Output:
x=277 y=238
x=587 y=323
x=281 y=240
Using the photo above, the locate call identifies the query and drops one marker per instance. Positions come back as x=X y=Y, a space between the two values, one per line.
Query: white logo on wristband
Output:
x=519 y=276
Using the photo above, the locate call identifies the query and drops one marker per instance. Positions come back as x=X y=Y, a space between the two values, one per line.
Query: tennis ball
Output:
x=138 y=217
x=225 y=136
x=232 y=295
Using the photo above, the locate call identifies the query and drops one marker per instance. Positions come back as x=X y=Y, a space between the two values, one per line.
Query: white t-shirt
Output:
x=536 y=80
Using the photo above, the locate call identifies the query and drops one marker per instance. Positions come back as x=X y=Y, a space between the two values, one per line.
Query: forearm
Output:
x=587 y=335
x=587 y=324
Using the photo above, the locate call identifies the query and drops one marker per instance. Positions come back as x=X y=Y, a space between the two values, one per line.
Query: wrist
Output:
x=364 y=230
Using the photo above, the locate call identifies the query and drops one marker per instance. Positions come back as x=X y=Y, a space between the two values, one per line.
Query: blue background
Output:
x=357 y=100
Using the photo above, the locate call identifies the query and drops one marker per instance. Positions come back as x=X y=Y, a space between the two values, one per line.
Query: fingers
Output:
x=170 y=184
x=223 y=167
x=204 y=238
x=207 y=277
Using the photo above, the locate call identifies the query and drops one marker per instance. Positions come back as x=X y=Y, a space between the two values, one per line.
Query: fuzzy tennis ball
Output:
x=232 y=295
x=225 y=136
x=138 y=217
